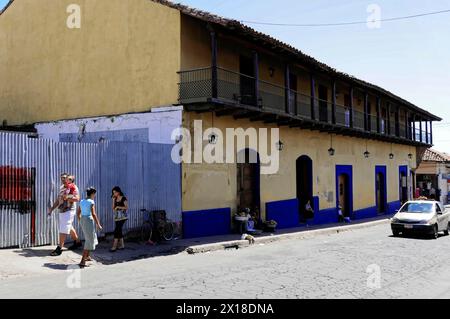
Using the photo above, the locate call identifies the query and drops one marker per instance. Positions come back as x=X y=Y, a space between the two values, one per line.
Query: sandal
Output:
x=56 y=252
x=113 y=250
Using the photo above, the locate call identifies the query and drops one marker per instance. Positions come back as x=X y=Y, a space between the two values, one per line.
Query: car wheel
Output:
x=435 y=232
x=396 y=233
x=447 y=230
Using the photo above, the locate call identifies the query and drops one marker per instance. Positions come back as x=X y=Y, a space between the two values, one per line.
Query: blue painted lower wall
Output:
x=393 y=206
x=368 y=212
x=214 y=222
x=284 y=212
x=209 y=222
x=325 y=216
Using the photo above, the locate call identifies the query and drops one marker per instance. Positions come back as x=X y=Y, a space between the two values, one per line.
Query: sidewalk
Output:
x=37 y=260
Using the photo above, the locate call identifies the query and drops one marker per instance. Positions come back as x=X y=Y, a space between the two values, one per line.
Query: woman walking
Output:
x=88 y=220
x=120 y=207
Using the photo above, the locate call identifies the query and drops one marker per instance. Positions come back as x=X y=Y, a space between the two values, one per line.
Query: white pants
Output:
x=66 y=221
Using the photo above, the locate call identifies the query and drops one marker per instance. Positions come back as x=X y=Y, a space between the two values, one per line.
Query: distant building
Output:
x=343 y=141
x=433 y=173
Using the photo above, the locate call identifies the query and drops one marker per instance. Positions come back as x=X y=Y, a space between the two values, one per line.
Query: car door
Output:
x=445 y=216
x=441 y=218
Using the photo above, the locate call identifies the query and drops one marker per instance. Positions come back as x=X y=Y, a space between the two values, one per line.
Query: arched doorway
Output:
x=380 y=189
x=344 y=189
x=304 y=182
x=248 y=180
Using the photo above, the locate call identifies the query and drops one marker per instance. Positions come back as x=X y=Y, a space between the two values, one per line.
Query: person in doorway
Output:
x=66 y=202
x=88 y=219
x=120 y=207
x=340 y=214
x=309 y=212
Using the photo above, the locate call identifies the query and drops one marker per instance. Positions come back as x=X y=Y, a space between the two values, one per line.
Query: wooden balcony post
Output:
x=426 y=131
x=287 y=89
x=256 y=68
x=313 y=97
x=397 y=121
x=407 y=130
x=351 y=107
x=388 y=119
x=378 y=114
x=431 y=132
x=420 y=129
x=414 y=127
x=366 y=111
x=214 y=77
x=333 y=103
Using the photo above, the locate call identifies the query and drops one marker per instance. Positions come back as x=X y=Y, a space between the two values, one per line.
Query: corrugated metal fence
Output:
x=29 y=182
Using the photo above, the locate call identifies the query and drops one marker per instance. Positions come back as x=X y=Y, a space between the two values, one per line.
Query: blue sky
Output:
x=409 y=57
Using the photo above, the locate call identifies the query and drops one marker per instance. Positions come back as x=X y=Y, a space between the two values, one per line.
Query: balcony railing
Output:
x=198 y=85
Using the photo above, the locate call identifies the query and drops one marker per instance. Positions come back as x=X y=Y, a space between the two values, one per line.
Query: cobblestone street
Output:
x=343 y=265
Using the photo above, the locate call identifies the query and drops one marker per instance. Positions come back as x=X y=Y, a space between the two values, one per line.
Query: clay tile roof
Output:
x=239 y=27
x=435 y=156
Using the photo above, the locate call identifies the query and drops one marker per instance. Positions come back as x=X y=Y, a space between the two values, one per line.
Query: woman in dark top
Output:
x=120 y=207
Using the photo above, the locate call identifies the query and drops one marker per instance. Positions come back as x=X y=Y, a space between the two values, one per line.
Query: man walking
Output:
x=66 y=203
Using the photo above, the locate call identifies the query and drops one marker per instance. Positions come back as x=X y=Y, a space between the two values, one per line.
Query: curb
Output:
x=236 y=244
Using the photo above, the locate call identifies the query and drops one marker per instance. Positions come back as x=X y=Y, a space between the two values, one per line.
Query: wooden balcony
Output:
x=231 y=93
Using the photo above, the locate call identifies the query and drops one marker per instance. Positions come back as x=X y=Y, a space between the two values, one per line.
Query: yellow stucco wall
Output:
x=124 y=58
x=208 y=186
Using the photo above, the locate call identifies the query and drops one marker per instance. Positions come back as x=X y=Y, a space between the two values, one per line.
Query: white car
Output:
x=421 y=216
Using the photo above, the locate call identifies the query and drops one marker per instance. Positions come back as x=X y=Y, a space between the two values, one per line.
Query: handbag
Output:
x=120 y=215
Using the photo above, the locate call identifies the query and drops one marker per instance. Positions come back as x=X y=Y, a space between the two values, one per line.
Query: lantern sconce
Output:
x=280 y=145
x=212 y=138
x=331 y=150
x=366 y=153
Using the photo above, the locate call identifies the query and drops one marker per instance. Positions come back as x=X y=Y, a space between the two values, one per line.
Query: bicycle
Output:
x=156 y=224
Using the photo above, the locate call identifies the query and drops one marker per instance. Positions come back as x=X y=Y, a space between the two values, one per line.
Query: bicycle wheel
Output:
x=146 y=232
x=167 y=231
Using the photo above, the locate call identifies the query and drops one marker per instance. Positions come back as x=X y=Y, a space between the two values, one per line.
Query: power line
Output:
x=345 y=23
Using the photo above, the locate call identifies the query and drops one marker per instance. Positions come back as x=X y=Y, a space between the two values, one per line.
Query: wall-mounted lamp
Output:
x=280 y=145
x=391 y=155
x=212 y=138
x=331 y=150
x=410 y=156
x=271 y=72
x=366 y=153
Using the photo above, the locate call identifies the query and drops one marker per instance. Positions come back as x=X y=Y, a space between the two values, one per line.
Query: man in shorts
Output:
x=66 y=203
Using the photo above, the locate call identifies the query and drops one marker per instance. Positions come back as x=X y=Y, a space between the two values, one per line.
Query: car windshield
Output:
x=417 y=208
